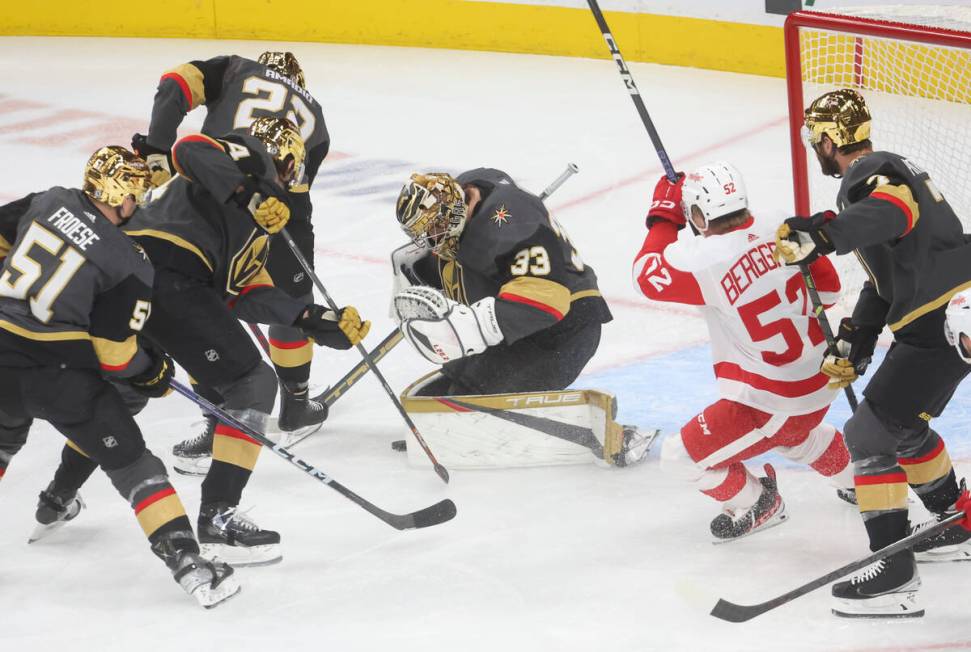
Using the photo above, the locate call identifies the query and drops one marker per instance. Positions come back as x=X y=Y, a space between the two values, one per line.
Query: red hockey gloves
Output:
x=154 y=381
x=963 y=504
x=334 y=330
x=800 y=240
x=157 y=159
x=852 y=354
x=666 y=204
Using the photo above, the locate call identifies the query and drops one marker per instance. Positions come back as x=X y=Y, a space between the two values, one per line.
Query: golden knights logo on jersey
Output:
x=248 y=262
x=450 y=271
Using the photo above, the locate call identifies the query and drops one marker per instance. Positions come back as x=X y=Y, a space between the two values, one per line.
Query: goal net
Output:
x=913 y=66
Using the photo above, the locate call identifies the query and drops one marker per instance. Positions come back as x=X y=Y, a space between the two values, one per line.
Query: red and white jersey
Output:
x=767 y=347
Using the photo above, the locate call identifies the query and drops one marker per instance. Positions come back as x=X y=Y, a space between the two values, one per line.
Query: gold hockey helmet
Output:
x=285 y=64
x=842 y=115
x=431 y=210
x=282 y=140
x=112 y=173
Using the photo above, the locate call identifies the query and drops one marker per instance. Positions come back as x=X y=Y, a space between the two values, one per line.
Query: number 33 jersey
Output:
x=74 y=289
x=511 y=249
x=766 y=346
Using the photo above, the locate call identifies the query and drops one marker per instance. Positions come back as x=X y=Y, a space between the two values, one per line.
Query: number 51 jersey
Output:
x=74 y=289
x=766 y=346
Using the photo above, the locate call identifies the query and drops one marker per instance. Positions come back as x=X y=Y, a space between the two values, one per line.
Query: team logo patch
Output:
x=109 y=441
x=212 y=355
x=298 y=277
x=752 y=237
x=248 y=262
x=502 y=215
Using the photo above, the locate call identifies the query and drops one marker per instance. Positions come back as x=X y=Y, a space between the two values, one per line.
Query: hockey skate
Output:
x=210 y=583
x=768 y=511
x=884 y=589
x=54 y=509
x=194 y=456
x=953 y=544
x=635 y=447
x=300 y=415
x=227 y=534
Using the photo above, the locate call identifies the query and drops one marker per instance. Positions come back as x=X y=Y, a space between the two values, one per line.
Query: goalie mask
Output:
x=113 y=173
x=957 y=323
x=842 y=115
x=431 y=210
x=717 y=190
x=285 y=64
x=282 y=141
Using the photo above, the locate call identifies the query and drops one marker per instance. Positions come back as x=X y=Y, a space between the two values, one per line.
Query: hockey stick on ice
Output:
x=820 y=314
x=433 y=515
x=738 y=613
x=635 y=94
x=439 y=469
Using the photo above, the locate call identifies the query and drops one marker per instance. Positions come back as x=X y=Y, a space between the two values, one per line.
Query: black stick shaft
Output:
x=820 y=314
x=635 y=94
x=422 y=518
x=737 y=613
x=440 y=470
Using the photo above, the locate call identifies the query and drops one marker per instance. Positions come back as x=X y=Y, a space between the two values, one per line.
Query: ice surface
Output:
x=569 y=558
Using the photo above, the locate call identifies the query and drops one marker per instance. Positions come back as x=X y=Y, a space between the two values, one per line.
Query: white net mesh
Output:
x=919 y=95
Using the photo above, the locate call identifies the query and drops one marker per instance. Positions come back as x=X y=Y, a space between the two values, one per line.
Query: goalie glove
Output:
x=403 y=260
x=268 y=207
x=443 y=330
x=157 y=159
x=800 y=240
x=340 y=330
x=852 y=354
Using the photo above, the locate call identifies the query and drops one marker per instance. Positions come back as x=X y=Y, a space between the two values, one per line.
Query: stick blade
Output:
x=734 y=613
x=442 y=473
x=435 y=514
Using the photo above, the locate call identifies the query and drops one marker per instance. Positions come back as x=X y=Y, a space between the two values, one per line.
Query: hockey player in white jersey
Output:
x=704 y=248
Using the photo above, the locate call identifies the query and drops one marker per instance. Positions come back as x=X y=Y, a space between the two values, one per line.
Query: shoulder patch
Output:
x=501 y=215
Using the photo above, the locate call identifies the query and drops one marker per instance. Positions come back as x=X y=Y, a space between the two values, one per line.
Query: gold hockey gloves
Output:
x=113 y=173
x=340 y=330
x=271 y=214
x=800 y=240
x=852 y=354
x=431 y=210
x=157 y=159
x=154 y=381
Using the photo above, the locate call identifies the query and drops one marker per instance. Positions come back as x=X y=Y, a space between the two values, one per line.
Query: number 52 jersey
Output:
x=74 y=289
x=766 y=346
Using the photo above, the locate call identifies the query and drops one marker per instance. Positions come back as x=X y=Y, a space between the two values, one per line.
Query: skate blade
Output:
x=288 y=438
x=192 y=466
x=242 y=555
x=41 y=530
x=961 y=552
x=891 y=605
x=778 y=519
x=212 y=598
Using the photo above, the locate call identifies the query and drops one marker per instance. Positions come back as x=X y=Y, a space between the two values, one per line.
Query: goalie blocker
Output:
x=522 y=429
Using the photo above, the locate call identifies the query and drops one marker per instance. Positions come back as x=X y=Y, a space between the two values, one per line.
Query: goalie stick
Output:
x=440 y=512
x=739 y=613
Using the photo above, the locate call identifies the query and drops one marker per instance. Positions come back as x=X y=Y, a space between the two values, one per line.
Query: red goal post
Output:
x=913 y=66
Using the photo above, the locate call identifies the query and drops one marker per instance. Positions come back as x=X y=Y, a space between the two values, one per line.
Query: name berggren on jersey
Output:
x=73 y=228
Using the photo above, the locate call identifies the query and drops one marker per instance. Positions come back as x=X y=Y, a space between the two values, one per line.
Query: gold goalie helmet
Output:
x=431 y=210
x=282 y=140
x=285 y=64
x=112 y=173
x=842 y=115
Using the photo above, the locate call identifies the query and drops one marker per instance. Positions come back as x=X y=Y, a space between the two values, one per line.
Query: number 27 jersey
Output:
x=766 y=346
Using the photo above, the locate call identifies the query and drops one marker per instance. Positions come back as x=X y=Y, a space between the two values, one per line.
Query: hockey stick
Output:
x=330 y=395
x=570 y=170
x=439 y=469
x=635 y=94
x=820 y=314
x=260 y=337
x=433 y=515
x=738 y=613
